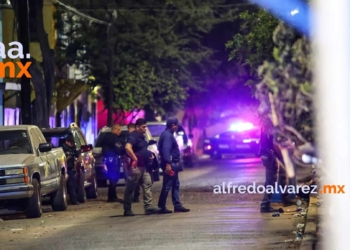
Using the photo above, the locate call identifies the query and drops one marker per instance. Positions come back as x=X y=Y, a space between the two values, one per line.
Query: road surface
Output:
x=216 y=221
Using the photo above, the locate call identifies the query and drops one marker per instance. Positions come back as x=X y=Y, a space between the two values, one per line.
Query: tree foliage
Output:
x=289 y=79
x=253 y=44
x=156 y=44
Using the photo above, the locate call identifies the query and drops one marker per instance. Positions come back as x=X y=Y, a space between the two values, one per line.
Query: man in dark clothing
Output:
x=112 y=150
x=73 y=157
x=131 y=128
x=270 y=155
x=170 y=157
x=138 y=172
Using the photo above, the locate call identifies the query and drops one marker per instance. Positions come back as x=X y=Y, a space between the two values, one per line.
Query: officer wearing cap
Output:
x=170 y=158
x=73 y=157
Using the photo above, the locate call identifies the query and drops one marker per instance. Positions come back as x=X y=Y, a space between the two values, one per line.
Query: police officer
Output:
x=73 y=157
x=139 y=171
x=270 y=155
x=170 y=157
x=131 y=128
x=112 y=150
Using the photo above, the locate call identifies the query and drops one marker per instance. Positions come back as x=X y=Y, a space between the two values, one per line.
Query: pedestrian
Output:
x=73 y=157
x=112 y=151
x=170 y=158
x=272 y=159
x=139 y=170
x=131 y=128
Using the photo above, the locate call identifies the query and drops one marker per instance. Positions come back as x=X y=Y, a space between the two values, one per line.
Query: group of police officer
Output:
x=132 y=152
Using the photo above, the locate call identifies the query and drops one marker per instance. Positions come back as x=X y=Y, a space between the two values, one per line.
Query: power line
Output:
x=74 y=10
x=169 y=10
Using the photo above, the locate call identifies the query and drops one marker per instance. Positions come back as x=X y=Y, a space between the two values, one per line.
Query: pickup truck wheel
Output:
x=59 y=198
x=81 y=195
x=91 y=192
x=33 y=208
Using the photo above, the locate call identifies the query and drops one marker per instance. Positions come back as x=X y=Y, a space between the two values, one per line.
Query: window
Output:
x=15 y=142
x=156 y=129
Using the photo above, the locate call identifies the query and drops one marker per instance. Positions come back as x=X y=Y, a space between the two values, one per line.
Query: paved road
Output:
x=216 y=221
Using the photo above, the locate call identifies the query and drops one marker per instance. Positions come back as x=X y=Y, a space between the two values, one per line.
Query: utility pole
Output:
x=111 y=76
x=111 y=43
x=23 y=37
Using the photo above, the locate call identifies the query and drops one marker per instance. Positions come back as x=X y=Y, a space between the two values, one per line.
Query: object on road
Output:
x=299 y=209
x=276 y=214
x=280 y=210
x=299 y=226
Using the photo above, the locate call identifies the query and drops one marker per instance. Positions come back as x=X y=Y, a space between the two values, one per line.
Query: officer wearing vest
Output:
x=139 y=170
x=73 y=157
x=112 y=151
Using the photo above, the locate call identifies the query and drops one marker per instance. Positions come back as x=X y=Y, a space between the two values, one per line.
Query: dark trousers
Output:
x=72 y=185
x=137 y=191
x=173 y=183
x=272 y=175
x=113 y=168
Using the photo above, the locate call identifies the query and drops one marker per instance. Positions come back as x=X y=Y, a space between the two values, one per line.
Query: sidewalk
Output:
x=312 y=221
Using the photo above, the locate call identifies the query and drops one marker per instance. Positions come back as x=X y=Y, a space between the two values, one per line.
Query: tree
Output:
x=253 y=44
x=42 y=74
x=287 y=80
x=165 y=39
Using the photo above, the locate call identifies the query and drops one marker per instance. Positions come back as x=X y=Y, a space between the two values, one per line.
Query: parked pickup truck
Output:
x=29 y=170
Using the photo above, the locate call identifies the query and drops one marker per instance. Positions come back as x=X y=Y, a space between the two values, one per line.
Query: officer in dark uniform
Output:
x=170 y=157
x=73 y=157
x=269 y=154
x=112 y=151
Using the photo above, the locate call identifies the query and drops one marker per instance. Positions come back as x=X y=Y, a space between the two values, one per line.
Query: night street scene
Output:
x=188 y=124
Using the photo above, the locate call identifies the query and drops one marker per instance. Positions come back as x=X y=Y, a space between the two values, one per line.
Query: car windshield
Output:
x=156 y=129
x=56 y=139
x=15 y=142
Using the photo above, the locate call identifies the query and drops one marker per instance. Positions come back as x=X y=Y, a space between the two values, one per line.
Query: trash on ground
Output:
x=276 y=214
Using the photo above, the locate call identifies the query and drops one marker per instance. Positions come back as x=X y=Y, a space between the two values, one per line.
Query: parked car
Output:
x=156 y=129
x=243 y=140
x=29 y=170
x=86 y=177
x=100 y=166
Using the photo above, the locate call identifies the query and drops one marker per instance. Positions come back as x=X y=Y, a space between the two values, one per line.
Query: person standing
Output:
x=131 y=128
x=73 y=157
x=271 y=158
x=112 y=151
x=170 y=158
x=138 y=171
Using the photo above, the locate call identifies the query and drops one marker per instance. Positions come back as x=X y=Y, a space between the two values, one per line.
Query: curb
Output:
x=310 y=238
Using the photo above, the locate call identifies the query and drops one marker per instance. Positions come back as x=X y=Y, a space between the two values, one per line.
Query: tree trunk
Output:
x=41 y=113
x=47 y=53
x=43 y=86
